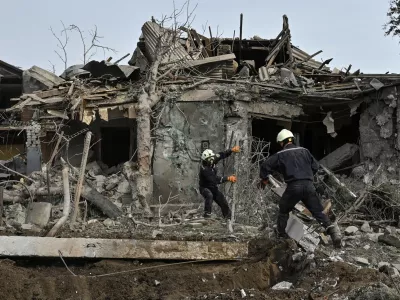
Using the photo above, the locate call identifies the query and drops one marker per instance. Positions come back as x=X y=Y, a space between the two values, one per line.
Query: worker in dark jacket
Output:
x=298 y=166
x=209 y=181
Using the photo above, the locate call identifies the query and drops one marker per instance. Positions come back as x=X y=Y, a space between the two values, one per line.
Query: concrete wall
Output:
x=184 y=126
x=379 y=132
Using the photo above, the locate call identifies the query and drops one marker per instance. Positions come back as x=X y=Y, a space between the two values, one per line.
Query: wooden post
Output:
x=67 y=200
x=81 y=178
x=211 y=41
x=240 y=38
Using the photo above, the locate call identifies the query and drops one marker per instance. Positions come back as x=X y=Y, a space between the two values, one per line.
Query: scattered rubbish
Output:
x=243 y=293
x=284 y=285
x=362 y=261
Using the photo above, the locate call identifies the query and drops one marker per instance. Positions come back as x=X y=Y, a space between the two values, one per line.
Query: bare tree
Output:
x=150 y=96
x=90 y=50
x=62 y=44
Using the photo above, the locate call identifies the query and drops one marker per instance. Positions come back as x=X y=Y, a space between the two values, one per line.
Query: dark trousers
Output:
x=211 y=195
x=301 y=190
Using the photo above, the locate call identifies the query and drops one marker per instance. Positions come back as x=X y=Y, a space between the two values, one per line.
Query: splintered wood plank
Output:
x=19 y=246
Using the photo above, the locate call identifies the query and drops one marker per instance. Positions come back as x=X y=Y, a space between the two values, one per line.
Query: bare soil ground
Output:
x=269 y=263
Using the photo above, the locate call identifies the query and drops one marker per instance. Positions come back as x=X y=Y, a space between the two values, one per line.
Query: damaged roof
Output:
x=278 y=70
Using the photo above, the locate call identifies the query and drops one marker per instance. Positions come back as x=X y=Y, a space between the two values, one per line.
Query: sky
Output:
x=349 y=31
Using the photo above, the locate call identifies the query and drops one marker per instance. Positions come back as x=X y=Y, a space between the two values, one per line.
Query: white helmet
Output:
x=207 y=154
x=283 y=135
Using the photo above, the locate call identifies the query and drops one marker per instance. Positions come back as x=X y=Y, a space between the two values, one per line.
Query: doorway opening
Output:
x=265 y=130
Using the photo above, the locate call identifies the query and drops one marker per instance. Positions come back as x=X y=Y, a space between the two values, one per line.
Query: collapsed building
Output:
x=76 y=135
x=216 y=92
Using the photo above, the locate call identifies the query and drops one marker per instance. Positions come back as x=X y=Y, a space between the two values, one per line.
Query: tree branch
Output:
x=62 y=45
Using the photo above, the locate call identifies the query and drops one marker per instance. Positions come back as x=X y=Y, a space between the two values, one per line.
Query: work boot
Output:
x=281 y=236
x=335 y=234
x=207 y=215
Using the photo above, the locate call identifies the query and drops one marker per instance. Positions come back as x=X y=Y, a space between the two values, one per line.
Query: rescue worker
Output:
x=298 y=166
x=209 y=181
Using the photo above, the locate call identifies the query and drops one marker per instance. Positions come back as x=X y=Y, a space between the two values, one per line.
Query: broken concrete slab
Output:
x=381 y=264
x=389 y=240
x=289 y=78
x=38 y=213
x=295 y=228
x=35 y=79
x=337 y=158
x=376 y=84
x=18 y=246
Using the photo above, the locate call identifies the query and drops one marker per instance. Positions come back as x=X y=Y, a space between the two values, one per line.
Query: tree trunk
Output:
x=147 y=100
x=144 y=181
x=130 y=173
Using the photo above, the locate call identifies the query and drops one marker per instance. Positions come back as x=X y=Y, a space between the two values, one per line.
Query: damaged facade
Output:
x=215 y=93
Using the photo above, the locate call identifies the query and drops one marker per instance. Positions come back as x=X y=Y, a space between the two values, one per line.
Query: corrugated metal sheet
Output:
x=99 y=69
x=152 y=32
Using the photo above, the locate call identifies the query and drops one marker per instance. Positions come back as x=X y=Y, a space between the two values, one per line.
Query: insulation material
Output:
x=329 y=122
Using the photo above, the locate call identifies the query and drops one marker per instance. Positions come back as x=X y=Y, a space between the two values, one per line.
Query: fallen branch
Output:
x=357 y=204
x=15 y=172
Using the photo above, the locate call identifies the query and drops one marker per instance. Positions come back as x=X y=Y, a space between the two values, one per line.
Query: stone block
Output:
x=362 y=261
x=351 y=230
x=38 y=213
x=295 y=228
x=366 y=228
x=284 y=285
x=338 y=157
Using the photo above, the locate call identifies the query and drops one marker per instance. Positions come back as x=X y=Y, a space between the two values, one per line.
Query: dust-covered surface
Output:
x=313 y=277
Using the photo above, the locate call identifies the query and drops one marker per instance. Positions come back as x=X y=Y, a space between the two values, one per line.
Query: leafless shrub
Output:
x=254 y=206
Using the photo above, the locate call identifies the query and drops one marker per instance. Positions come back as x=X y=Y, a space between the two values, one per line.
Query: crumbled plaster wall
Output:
x=379 y=125
x=176 y=160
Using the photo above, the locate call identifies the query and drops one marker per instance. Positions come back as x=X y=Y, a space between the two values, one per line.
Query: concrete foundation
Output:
x=15 y=246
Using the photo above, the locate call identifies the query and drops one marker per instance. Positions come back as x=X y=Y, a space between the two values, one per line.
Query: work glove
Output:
x=232 y=178
x=262 y=184
x=236 y=149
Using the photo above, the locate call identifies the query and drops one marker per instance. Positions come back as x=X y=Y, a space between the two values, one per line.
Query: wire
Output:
x=65 y=264
x=153 y=267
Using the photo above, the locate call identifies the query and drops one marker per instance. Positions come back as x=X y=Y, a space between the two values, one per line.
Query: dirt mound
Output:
x=119 y=280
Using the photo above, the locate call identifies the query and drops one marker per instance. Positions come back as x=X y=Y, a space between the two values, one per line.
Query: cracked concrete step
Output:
x=19 y=246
